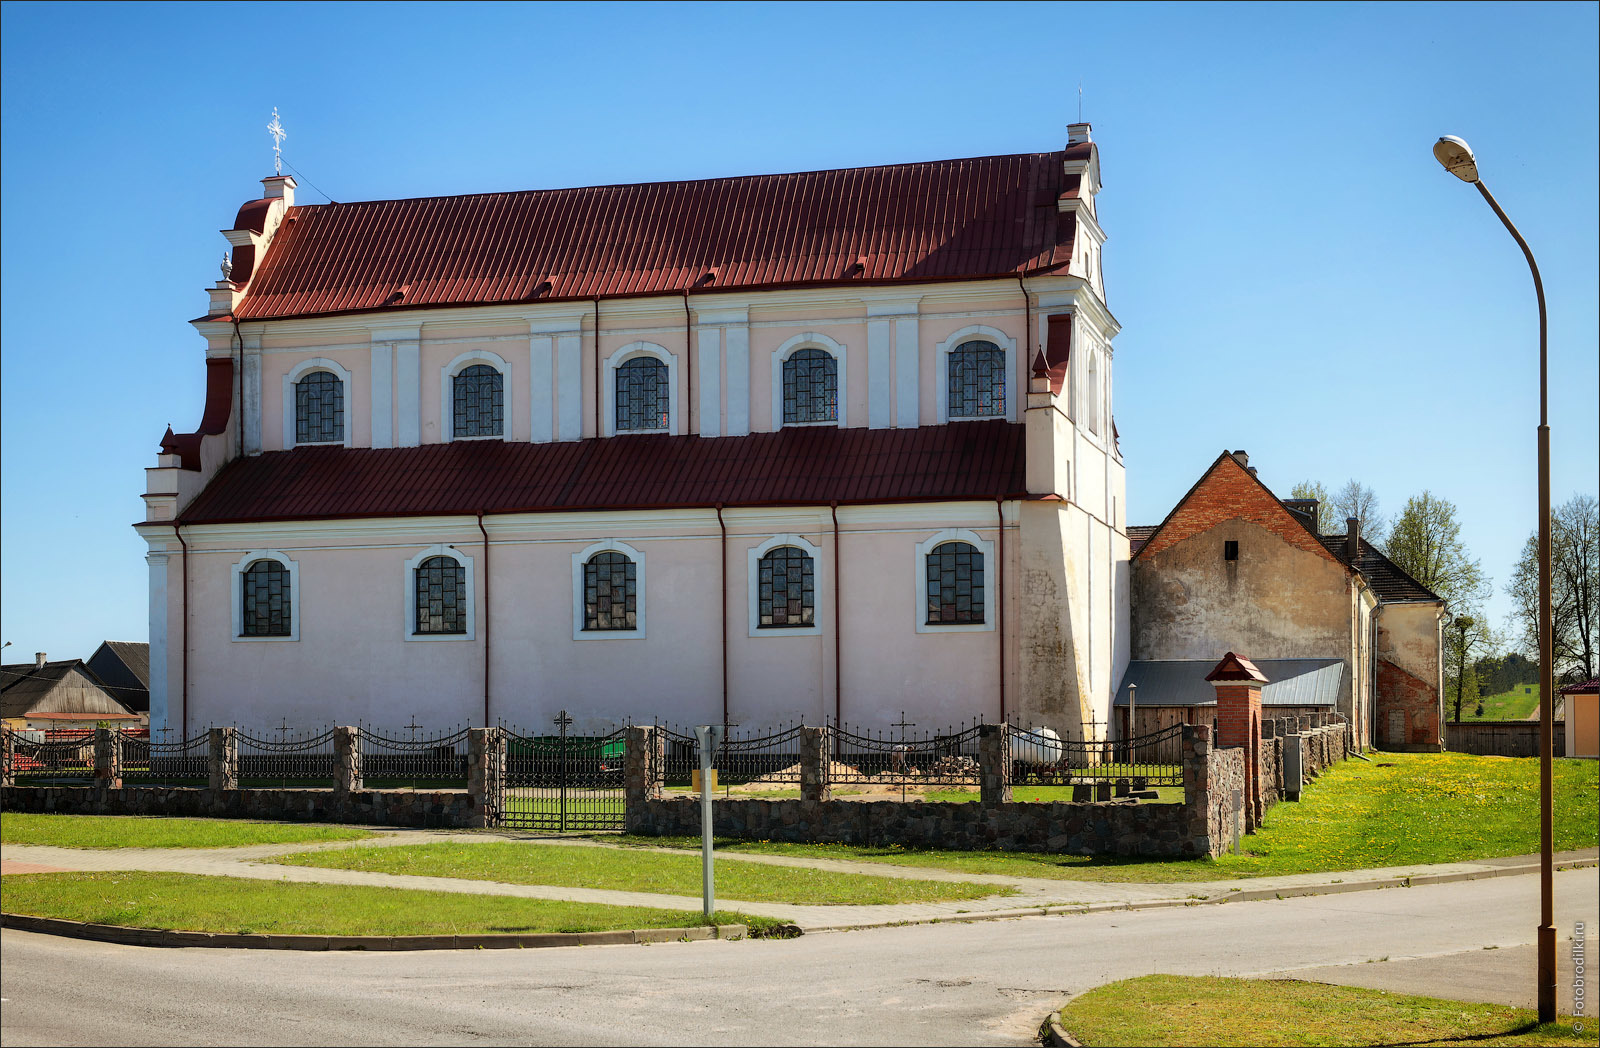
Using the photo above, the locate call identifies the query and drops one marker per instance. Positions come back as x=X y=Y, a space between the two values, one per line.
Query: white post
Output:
x=709 y=735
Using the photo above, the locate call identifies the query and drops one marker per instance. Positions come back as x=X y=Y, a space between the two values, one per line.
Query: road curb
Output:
x=1256 y=895
x=124 y=936
x=1053 y=1033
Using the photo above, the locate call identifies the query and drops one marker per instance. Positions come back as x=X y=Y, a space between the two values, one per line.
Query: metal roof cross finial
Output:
x=275 y=129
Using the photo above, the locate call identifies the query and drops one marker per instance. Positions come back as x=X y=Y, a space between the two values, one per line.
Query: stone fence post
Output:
x=643 y=771
x=815 y=784
x=9 y=769
x=486 y=774
x=108 y=758
x=994 y=764
x=347 y=777
x=224 y=763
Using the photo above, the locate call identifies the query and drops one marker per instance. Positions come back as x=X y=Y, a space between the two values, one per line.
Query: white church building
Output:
x=833 y=444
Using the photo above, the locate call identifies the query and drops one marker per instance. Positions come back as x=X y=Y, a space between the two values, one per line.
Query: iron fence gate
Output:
x=563 y=782
x=1042 y=758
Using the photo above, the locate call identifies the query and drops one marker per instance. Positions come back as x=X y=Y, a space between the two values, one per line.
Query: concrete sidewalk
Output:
x=1033 y=896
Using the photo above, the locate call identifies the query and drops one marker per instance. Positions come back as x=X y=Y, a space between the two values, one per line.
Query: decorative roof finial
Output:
x=227 y=266
x=275 y=129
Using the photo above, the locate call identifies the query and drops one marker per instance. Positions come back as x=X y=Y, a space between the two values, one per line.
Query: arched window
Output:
x=610 y=592
x=643 y=396
x=441 y=592
x=479 y=402
x=787 y=589
x=319 y=409
x=267 y=610
x=977 y=380
x=810 y=387
x=955 y=584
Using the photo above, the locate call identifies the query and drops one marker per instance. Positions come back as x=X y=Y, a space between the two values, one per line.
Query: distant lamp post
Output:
x=1456 y=157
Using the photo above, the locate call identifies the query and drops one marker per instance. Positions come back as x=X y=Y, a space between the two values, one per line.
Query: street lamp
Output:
x=1457 y=158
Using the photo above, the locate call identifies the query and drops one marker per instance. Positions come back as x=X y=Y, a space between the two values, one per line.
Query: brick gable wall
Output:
x=1229 y=492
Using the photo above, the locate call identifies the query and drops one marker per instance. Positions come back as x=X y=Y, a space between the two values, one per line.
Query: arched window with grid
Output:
x=441 y=586
x=478 y=402
x=810 y=387
x=955 y=584
x=977 y=387
x=319 y=409
x=267 y=606
x=610 y=592
x=787 y=589
x=643 y=396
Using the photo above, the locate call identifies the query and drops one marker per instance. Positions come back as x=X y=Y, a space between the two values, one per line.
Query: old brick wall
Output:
x=1408 y=711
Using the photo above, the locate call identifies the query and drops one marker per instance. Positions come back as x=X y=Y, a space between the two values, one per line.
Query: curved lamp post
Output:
x=1457 y=158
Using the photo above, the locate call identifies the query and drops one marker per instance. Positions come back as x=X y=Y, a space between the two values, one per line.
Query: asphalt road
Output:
x=979 y=983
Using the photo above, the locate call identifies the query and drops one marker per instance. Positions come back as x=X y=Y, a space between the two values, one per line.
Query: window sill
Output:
x=439 y=636
x=757 y=630
x=481 y=436
x=955 y=627
x=267 y=639
x=634 y=634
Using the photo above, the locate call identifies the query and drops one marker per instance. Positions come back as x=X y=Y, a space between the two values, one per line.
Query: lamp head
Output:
x=1456 y=157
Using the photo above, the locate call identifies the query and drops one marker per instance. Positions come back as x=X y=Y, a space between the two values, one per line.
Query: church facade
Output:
x=833 y=444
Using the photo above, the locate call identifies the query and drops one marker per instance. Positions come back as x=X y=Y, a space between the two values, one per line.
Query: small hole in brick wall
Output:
x=1230 y=550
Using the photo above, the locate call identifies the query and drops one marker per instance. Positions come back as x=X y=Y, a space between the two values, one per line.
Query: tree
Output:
x=1356 y=500
x=1467 y=640
x=1574 y=588
x=1310 y=489
x=1425 y=543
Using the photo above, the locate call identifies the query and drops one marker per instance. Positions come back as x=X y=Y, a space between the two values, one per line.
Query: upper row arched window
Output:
x=478 y=396
x=977 y=380
x=319 y=409
x=810 y=387
x=643 y=395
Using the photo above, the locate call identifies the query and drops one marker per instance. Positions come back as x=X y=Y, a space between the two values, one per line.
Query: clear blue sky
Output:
x=1294 y=273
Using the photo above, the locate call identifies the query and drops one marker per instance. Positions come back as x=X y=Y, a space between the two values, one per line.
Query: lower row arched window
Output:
x=441 y=596
x=610 y=592
x=787 y=589
x=267 y=610
x=955 y=584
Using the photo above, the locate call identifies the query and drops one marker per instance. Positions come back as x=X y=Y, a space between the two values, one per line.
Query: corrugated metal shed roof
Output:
x=796 y=466
x=1182 y=682
x=942 y=220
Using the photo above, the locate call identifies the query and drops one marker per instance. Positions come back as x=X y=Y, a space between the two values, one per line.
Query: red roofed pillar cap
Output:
x=1235 y=668
x=1238 y=685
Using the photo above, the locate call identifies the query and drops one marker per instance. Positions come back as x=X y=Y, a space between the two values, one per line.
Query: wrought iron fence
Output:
x=303 y=760
x=1040 y=757
x=419 y=760
x=680 y=756
x=756 y=760
x=52 y=757
x=564 y=781
x=899 y=761
x=164 y=762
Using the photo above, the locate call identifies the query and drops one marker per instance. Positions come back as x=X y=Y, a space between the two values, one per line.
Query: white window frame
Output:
x=791 y=346
x=239 y=568
x=753 y=571
x=447 y=399
x=942 y=368
x=990 y=566
x=410 y=602
x=608 y=398
x=291 y=378
x=580 y=559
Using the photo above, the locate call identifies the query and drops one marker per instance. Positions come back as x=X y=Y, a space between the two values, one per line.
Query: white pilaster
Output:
x=907 y=380
x=408 y=392
x=737 y=341
x=541 y=369
x=382 y=408
x=250 y=391
x=569 y=385
x=879 y=386
x=710 y=368
x=158 y=641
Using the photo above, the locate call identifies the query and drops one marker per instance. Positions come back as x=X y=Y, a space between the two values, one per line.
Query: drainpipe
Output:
x=688 y=363
x=484 y=625
x=597 y=427
x=838 y=694
x=723 y=576
x=1000 y=598
x=183 y=633
x=1027 y=332
x=236 y=354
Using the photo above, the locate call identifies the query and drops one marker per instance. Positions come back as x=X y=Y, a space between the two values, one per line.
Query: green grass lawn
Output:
x=132 y=831
x=1401 y=809
x=1160 y=1010
x=1508 y=705
x=186 y=902
x=631 y=870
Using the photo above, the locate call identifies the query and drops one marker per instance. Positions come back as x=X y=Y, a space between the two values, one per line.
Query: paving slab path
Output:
x=1032 y=895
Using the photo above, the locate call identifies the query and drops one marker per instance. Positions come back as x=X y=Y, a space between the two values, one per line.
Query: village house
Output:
x=49 y=695
x=1330 y=622
x=834 y=444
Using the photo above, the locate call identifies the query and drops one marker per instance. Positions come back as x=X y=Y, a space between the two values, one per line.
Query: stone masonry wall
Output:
x=444 y=809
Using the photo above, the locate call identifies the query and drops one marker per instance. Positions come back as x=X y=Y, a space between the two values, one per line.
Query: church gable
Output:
x=1229 y=491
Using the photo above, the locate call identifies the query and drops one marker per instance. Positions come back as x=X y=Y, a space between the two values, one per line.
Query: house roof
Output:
x=795 y=466
x=123 y=669
x=1138 y=535
x=1387 y=578
x=942 y=220
x=65 y=689
x=1587 y=687
x=1182 y=682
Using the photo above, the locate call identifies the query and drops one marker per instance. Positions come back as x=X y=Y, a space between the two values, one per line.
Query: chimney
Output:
x=1078 y=133
x=39 y=659
x=1242 y=457
x=1352 y=539
x=279 y=186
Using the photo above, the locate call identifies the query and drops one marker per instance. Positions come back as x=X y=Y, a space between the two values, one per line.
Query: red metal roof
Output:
x=809 y=465
x=943 y=220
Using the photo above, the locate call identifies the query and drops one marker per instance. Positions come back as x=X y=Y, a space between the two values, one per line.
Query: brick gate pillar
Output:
x=1238 y=683
x=994 y=764
x=814 y=759
x=643 y=771
x=223 y=767
x=108 y=758
x=486 y=774
x=8 y=739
